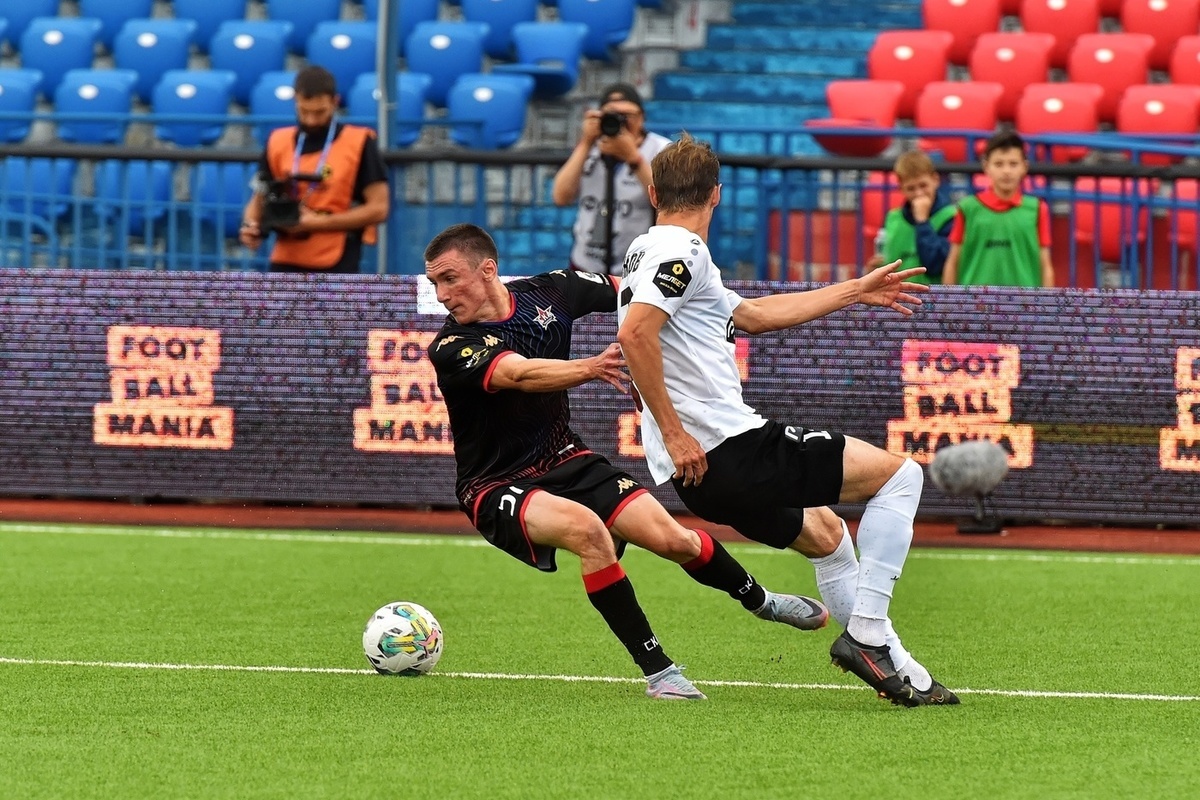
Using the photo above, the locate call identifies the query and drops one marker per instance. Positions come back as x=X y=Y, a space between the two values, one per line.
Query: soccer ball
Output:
x=403 y=639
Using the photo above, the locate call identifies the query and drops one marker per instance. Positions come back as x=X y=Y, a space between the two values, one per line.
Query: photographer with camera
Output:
x=321 y=187
x=608 y=173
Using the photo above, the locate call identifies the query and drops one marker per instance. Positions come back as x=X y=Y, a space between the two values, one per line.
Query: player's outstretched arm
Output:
x=884 y=286
x=514 y=371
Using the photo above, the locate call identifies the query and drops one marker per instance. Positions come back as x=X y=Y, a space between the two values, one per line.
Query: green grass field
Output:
x=1075 y=673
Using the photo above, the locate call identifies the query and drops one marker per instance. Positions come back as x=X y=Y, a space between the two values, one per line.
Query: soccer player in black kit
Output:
x=528 y=483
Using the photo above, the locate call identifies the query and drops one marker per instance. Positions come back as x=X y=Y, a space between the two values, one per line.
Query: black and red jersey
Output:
x=507 y=435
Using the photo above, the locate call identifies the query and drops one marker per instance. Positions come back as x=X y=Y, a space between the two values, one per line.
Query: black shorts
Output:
x=760 y=482
x=587 y=479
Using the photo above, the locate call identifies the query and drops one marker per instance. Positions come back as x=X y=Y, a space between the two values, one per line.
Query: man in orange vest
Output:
x=322 y=186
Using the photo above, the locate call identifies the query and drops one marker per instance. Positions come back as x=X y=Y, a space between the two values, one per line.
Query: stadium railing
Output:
x=795 y=218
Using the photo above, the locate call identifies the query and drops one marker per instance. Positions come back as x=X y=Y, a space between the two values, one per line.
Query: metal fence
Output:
x=1116 y=223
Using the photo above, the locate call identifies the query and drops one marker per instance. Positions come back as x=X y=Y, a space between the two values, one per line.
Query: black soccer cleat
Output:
x=874 y=666
x=935 y=695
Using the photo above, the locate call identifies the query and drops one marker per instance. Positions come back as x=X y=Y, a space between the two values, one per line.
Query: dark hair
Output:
x=470 y=240
x=1004 y=140
x=685 y=174
x=314 y=81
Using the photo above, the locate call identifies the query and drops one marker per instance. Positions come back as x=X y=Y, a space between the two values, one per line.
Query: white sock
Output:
x=906 y=666
x=884 y=536
x=837 y=578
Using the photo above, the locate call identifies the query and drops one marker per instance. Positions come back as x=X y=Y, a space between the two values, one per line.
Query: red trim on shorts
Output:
x=521 y=520
x=603 y=578
x=706 y=552
x=487 y=378
x=608 y=523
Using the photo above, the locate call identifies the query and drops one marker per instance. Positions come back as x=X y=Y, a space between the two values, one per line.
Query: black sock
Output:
x=716 y=568
x=612 y=595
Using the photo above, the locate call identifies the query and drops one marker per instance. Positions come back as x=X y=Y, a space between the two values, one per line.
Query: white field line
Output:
x=583 y=679
x=409 y=540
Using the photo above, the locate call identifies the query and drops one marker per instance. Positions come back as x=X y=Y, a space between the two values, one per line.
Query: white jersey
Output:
x=670 y=268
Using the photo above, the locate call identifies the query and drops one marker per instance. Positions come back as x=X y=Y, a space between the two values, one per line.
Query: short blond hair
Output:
x=914 y=164
x=685 y=174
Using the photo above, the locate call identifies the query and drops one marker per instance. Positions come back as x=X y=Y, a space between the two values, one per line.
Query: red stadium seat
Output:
x=1110 y=8
x=1014 y=60
x=966 y=20
x=1116 y=61
x=880 y=194
x=1060 y=108
x=1011 y=8
x=1165 y=20
x=1159 y=108
x=855 y=103
x=970 y=105
x=1106 y=221
x=914 y=58
x=1185 y=60
x=1187 y=194
x=1065 y=20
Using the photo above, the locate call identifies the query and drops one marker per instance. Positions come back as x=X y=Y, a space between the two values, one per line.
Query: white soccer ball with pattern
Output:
x=403 y=639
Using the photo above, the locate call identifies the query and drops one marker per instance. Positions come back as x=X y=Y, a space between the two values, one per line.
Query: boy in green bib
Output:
x=917 y=232
x=1001 y=237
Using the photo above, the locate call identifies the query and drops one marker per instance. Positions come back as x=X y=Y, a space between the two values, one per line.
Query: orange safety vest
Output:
x=320 y=249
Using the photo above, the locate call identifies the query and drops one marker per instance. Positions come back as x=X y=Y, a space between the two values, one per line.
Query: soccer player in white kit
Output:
x=728 y=464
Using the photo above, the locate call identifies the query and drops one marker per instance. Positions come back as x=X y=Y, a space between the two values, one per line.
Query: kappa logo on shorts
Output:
x=625 y=484
x=672 y=278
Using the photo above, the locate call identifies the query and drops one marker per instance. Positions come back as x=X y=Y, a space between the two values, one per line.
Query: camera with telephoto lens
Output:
x=611 y=123
x=281 y=202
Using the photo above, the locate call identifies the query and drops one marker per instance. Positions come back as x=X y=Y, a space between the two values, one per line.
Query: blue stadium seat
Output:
x=208 y=15
x=411 y=12
x=248 y=48
x=150 y=47
x=445 y=50
x=487 y=112
x=3 y=30
x=411 y=88
x=549 y=52
x=222 y=190
x=347 y=49
x=95 y=91
x=113 y=14
x=608 y=23
x=188 y=91
x=304 y=17
x=18 y=93
x=56 y=45
x=500 y=17
x=40 y=187
x=19 y=15
x=273 y=95
x=131 y=193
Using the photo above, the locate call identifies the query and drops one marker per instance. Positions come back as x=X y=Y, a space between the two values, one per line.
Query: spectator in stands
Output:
x=1001 y=237
x=322 y=186
x=527 y=481
x=608 y=173
x=917 y=232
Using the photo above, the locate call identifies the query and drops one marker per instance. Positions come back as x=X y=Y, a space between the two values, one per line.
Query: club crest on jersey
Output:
x=672 y=278
x=545 y=317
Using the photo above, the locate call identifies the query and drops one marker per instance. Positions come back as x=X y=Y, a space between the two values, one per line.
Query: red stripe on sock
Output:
x=603 y=578
x=706 y=552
